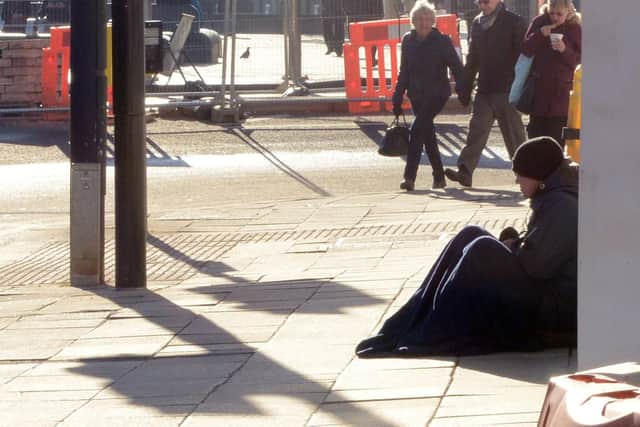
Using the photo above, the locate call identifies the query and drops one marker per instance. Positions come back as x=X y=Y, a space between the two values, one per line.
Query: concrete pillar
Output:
x=609 y=226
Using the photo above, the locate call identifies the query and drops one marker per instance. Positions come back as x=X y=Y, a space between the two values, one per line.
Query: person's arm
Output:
x=453 y=62
x=551 y=241
x=517 y=37
x=402 y=82
x=572 y=54
x=469 y=72
x=534 y=41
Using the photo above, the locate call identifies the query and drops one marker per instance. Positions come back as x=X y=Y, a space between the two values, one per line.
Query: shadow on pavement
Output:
x=155 y=154
x=37 y=134
x=245 y=136
x=490 y=196
x=200 y=367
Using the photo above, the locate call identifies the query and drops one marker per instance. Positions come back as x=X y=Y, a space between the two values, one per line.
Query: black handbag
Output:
x=525 y=103
x=395 y=142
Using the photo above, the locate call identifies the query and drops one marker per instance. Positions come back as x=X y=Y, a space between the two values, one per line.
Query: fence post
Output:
x=296 y=43
x=228 y=111
x=147 y=11
x=292 y=85
x=225 y=54
x=232 y=83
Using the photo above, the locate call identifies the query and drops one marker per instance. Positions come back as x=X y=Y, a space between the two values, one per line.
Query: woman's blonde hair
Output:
x=421 y=6
x=572 y=16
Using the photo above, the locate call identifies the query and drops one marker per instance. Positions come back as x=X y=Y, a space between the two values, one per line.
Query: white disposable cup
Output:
x=556 y=37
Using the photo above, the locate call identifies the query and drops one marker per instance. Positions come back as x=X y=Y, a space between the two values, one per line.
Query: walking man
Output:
x=496 y=38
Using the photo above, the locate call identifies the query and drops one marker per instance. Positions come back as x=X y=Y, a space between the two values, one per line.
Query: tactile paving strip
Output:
x=179 y=256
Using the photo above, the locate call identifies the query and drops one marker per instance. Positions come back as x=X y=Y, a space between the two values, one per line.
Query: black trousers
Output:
x=333 y=20
x=423 y=133
x=476 y=299
x=546 y=126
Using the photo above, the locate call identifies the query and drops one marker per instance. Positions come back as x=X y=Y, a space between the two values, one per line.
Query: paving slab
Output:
x=242 y=420
x=36 y=412
x=512 y=401
x=108 y=420
x=119 y=347
x=9 y=371
x=385 y=413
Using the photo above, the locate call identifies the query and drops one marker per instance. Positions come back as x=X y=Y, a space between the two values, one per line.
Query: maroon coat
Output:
x=553 y=70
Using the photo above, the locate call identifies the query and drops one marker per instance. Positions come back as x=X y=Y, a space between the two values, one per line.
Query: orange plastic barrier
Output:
x=55 y=71
x=385 y=35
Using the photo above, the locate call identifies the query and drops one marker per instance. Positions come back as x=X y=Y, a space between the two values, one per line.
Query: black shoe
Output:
x=407 y=185
x=439 y=183
x=458 y=176
x=328 y=52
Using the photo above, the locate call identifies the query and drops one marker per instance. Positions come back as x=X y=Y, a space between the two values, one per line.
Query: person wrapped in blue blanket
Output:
x=485 y=294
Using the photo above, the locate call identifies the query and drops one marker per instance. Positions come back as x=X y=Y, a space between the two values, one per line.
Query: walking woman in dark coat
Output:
x=554 y=39
x=426 y=55
x=485 y=294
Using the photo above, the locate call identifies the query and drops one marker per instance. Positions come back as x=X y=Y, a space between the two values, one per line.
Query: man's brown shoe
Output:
x=458 y=176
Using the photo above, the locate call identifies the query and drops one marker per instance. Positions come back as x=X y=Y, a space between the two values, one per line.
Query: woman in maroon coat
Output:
x=554 y=39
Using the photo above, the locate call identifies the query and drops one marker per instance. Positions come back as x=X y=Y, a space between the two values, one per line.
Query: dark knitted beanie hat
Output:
x=537 y=157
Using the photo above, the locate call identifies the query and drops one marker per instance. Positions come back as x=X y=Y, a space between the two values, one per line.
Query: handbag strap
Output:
x=396 y=120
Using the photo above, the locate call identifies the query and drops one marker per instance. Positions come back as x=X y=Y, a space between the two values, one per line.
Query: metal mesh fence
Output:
x=45 y=13
x=258 y=61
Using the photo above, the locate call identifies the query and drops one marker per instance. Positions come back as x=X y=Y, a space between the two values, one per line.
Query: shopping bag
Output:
x=522 y=70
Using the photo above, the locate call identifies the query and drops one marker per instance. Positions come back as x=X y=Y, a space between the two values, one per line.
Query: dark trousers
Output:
x=333 y=24
x=333 y=32
x=546 y=126
x=486 y=109
x=423 y=133
x=476 y=298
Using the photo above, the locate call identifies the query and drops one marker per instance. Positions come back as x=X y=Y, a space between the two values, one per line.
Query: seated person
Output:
x=485 y=295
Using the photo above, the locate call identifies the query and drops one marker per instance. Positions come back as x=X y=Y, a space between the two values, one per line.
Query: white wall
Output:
x=609 y=245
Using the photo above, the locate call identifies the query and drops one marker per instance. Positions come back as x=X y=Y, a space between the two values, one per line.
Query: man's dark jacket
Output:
x=493 y=54
x=423 y=67
x=549 y=252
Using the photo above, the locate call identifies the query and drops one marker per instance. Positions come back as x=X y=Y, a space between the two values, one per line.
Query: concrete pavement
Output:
x=251 y=316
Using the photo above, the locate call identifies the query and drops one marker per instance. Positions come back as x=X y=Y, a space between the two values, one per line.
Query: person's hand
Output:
x=558 y=46
x=510 y=243
x=546 y=29
x=508 y=233
x=397 y=110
